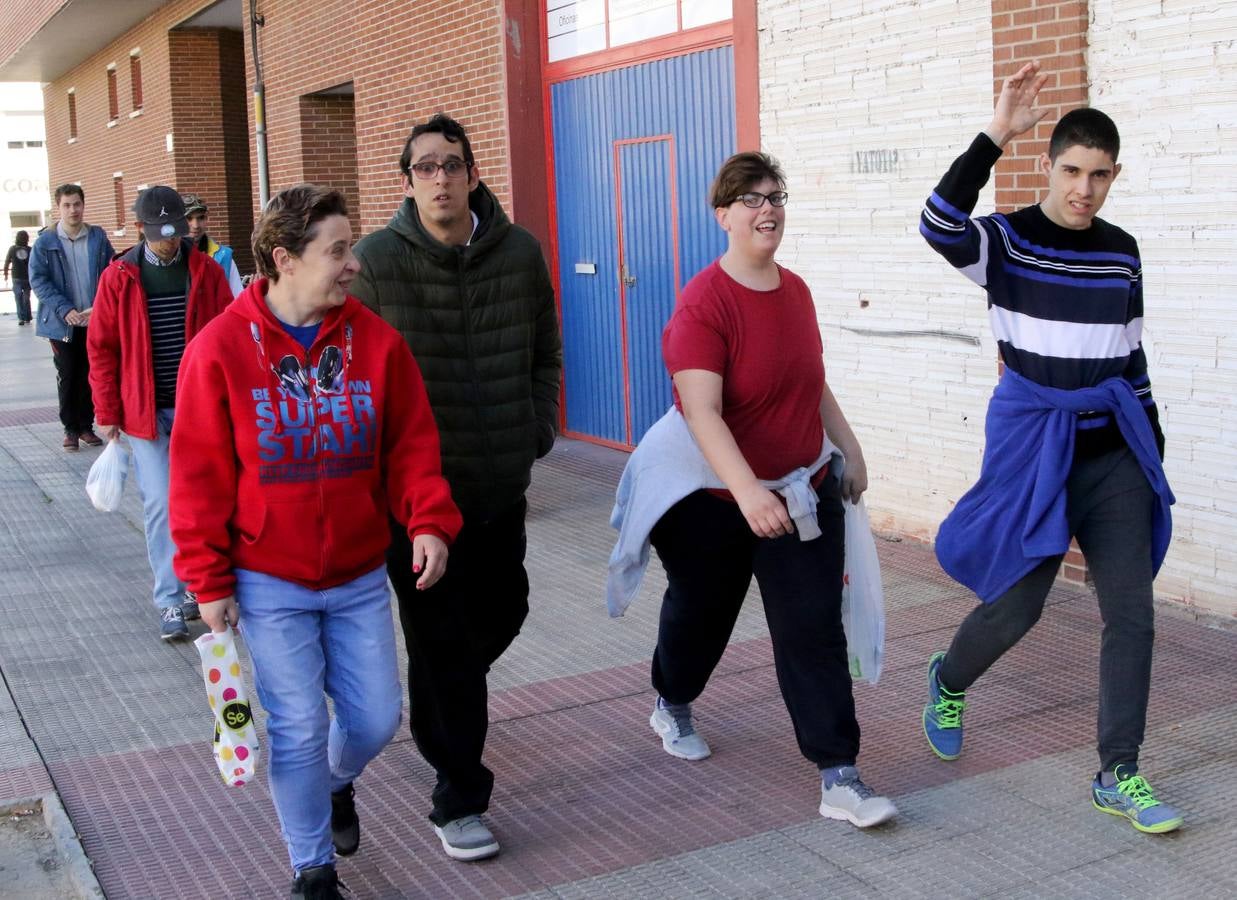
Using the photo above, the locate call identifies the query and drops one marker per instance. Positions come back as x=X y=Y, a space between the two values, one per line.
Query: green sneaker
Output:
x=1133 y=798
x=942 y=717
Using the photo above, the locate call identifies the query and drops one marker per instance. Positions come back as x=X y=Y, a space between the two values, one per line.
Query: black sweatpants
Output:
x=73 y=383
x=710 y=554
x=1109 y=504
x=454 y=631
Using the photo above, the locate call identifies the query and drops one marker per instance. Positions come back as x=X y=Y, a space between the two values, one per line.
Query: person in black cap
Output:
x=151 y=301
x=196 y=215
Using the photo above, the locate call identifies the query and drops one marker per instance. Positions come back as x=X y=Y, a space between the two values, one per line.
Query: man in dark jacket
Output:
x=471 y=294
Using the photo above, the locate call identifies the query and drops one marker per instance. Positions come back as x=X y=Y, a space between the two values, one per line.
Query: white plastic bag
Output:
x=863 y=599
x=106 y=481
x=236 y=737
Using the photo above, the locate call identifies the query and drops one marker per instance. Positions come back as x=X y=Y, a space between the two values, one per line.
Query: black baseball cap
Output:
x=161 y=213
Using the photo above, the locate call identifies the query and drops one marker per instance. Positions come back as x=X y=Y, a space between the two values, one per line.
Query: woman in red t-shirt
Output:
x=743 y=348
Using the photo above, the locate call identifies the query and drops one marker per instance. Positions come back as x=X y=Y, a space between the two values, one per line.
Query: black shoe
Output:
x=345 y=826
x=318 y=883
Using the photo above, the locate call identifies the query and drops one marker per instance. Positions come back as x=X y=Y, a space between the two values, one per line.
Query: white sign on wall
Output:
x=576 y=27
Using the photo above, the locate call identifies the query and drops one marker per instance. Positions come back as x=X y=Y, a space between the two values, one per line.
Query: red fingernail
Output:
x=416 y=569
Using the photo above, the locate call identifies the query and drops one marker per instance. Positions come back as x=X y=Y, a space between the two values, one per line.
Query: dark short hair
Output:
x=70 y=189
x=439 y=123
x=741 y=173
x=290 y=220
x=23 y=238
x=1085 y=127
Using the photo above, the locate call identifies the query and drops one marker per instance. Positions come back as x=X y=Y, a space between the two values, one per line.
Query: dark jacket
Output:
x=49 y=277
x=483 y=327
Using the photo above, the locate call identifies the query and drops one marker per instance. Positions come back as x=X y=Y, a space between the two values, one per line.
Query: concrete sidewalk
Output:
x=586 y=803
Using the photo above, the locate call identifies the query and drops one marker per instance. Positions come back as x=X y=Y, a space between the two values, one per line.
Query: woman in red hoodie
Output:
x=310 y=425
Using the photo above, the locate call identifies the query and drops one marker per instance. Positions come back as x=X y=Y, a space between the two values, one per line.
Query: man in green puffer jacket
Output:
x=471 y=294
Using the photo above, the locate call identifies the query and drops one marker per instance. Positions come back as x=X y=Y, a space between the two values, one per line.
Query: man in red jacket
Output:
x=150 y=303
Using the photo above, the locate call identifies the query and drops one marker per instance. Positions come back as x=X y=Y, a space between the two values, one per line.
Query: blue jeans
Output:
x=21 y=296
x=150 y=465
x=304 y=642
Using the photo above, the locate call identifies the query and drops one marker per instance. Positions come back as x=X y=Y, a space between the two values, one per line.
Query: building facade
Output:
x=23 y=169
x=599 y=123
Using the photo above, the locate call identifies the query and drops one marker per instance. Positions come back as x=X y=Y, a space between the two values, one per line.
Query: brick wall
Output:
x=154 y=146
x=406 y=61
x=866 y=104
x=1167 y=74
x=328 y=142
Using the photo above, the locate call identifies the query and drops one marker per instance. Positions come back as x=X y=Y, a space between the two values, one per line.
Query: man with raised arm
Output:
x=1074 y=445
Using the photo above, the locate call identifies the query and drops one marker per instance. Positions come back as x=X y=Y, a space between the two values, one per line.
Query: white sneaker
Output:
x=467 y=839
x=678 y=733
x=853 y=801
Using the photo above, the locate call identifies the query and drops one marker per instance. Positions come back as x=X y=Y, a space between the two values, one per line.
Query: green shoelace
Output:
x=949 y=710
x=1136 y=788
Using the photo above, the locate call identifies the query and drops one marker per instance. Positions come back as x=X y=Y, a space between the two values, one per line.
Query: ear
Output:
x=1116 y=170
x=722 y=214
x=1045 y=164
x=474 y=177
x=405 y=183
x=282 y=259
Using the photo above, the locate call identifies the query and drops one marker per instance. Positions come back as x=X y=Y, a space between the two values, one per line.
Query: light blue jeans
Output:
x=150 y=465
x=304 y=642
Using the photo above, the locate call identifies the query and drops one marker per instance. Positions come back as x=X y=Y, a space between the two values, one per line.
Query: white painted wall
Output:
x=845 y=77
x=23 y=172
x=1167 y=73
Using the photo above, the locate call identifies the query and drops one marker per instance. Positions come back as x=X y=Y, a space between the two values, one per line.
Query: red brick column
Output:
x=1055 y=33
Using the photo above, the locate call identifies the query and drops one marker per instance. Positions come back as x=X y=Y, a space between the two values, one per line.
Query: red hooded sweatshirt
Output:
x=287 y=461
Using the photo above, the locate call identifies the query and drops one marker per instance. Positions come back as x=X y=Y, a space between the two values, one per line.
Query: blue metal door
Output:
x=648 y=273
x=635 y=150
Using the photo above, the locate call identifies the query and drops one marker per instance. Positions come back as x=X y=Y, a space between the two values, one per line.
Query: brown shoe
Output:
x=70 y=443
x=90 y=439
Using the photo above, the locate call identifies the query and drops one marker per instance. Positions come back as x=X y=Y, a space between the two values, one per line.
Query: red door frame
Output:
x=739 y=31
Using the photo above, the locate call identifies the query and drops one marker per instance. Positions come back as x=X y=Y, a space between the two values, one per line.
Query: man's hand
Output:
x=854 y=478
x=83 y=317
x=429 y=558
x=110 y=432
x=73 y=317
x=765 y=513
x=1015 y=109
x=219 y=614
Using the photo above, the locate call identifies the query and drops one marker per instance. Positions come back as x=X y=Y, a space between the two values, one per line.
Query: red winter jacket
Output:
x=122 y=368
x=295 y=458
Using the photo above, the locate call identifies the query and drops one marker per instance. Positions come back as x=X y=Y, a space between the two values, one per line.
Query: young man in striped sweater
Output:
x=1074 y=445
x=151 y=302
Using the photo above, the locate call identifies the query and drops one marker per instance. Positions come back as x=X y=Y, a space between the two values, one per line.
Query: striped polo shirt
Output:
x=166 y=285
x=1065 y=305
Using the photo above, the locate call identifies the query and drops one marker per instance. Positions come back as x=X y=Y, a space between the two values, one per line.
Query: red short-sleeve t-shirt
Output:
x=766 y=346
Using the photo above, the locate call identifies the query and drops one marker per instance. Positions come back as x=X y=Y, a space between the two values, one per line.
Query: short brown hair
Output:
x=741 y=173
x=290 y=220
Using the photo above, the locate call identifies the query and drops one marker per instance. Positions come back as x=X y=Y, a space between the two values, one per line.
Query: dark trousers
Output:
x=710 y=554
x=1109 y=505
x=73 y=383
x=454 y=632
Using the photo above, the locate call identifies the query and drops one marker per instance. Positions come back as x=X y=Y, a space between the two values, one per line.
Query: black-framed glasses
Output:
x=452 y=168
x=755 y=199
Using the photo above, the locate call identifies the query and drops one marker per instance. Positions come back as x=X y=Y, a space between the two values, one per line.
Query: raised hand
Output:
x=1015 y=110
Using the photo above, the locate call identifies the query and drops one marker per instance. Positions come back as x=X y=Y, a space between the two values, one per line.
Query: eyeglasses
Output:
x=454 y=168
x=755 y=199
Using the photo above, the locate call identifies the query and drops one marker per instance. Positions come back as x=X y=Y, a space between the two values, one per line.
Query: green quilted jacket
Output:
x=482 y=325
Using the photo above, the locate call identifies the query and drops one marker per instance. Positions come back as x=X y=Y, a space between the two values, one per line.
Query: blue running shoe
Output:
x=942 y=717
x=1133 y=798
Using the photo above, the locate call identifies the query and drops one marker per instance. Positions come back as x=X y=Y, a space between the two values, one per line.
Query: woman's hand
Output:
x=765 y=513
x=429 y=557
x=854 y=478
x=219 y=614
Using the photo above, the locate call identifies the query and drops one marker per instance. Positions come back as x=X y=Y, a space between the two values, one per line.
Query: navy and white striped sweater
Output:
x=1066 y=306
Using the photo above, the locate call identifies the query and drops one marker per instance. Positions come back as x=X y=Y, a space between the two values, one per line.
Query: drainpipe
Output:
x=257 y=21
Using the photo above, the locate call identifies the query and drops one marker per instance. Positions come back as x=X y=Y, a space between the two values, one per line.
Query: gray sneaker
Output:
x=853 y=801
x=189 y=606
x=172 y=625
x=678 y=733
x=467 y=839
